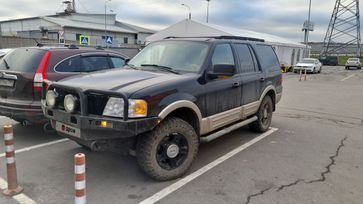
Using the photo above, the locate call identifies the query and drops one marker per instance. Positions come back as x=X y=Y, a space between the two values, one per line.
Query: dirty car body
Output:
x=186 y=89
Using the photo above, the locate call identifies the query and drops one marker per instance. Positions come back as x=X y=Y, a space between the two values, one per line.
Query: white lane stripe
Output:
x=80 y=200
x=10 y=160
x=37 y=146
x=80 y=169
x=175 y=186
x=348 y=77
x=21 y=198
x=8 y=136
x=80 y=185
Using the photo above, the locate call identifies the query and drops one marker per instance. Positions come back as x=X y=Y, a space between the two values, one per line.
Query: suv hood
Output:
x=127 y=81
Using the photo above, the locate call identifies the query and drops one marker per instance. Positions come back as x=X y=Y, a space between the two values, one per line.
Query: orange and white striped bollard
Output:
x=13 y=187
x=80 y=178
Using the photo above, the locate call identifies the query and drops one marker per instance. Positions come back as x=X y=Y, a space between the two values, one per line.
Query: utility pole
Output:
x=208 y=10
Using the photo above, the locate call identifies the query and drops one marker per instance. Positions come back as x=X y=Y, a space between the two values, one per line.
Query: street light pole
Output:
x=307 y=31
x=106 y=1
x=208 y=10
x=190 y=11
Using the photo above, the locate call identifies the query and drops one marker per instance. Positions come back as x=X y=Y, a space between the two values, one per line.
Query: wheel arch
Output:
x=186 y=110
x=271 y=92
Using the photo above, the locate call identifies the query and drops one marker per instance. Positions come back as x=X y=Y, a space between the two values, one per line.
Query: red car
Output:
x=23 y=69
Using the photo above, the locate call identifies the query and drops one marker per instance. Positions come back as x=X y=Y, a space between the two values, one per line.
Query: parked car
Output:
x=309 y=64
x=329 y=60
x=353 y=62
x=23 y=70
x=173 y=95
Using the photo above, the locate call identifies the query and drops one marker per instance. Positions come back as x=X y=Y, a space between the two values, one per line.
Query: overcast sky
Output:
x=279 y=17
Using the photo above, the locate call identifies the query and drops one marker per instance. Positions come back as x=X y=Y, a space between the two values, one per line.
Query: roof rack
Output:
x=227 y=37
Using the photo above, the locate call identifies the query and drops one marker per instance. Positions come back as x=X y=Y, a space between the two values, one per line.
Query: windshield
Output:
x=308 y=61
x=179 y=56
x=353 y=59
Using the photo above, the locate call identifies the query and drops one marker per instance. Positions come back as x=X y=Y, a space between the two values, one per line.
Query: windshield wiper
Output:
x=161 y=67
x=132 y=66
x=6 y=64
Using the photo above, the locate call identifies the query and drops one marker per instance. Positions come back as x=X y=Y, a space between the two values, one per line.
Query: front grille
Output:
x=96 y=103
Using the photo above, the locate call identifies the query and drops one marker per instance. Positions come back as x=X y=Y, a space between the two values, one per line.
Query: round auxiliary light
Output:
x=51 y=98
x=70 y=103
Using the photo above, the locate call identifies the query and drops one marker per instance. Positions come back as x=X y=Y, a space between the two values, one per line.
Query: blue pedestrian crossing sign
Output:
x=84 y=40
x=109 y=39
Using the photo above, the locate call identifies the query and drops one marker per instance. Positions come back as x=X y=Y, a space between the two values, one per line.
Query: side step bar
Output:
x=227 y=130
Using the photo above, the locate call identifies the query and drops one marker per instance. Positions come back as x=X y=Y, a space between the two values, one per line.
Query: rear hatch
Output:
x=21 y=73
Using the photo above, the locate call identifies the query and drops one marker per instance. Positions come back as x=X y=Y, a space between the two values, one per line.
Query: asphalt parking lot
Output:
x=314 y=156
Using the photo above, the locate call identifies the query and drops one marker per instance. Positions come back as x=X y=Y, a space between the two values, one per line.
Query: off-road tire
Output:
x=148 y=143
x=262 y=124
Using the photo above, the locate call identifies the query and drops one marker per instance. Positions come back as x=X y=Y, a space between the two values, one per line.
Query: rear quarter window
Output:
x=22 y=60
x=267 y=57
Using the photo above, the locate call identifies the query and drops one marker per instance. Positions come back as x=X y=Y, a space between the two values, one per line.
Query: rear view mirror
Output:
x=222 y=70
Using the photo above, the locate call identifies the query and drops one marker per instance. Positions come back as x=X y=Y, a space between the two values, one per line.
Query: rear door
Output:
x=17 y=70
x=252 y=76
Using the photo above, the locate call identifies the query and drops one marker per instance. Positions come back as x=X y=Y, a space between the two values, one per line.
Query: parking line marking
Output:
x=37 y=146
x=20 y=198
x=175 y=186
x=348 y=77
x=23 y=199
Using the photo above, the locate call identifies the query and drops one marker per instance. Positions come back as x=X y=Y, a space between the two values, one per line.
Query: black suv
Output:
x=173 y=95
x=23 y=70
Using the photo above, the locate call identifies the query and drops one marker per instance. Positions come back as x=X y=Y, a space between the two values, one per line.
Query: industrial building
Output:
x=288 y=52
x=69 y=26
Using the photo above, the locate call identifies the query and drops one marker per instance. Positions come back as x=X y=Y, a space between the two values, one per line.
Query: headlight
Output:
x=70 y=103
x=115 y=108
x=51 y=98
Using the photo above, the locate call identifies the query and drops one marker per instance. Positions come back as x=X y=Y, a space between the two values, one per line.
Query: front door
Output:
x=222 y=94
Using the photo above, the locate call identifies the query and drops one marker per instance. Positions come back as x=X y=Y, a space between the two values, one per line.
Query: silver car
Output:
x=353 y=62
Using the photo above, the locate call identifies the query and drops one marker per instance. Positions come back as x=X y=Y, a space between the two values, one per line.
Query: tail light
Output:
x=41 y=73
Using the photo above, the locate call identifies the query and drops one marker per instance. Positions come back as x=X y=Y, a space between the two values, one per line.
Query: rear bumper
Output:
x=90 y=129
x=22 y=110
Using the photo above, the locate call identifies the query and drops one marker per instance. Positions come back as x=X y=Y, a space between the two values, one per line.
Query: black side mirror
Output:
x=222 y=70
x=127 y=60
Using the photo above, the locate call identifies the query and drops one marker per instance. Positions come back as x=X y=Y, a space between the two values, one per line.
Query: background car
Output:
x=308 y=64
x=23 y=70
x=353 y=62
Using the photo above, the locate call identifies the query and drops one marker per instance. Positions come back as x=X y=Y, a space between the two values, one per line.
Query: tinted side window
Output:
x=245 y=58
x=223 y=55
x=94 y=63
x=267 y=56
x=117 y=62
x=22 y=59
x=72 y=64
